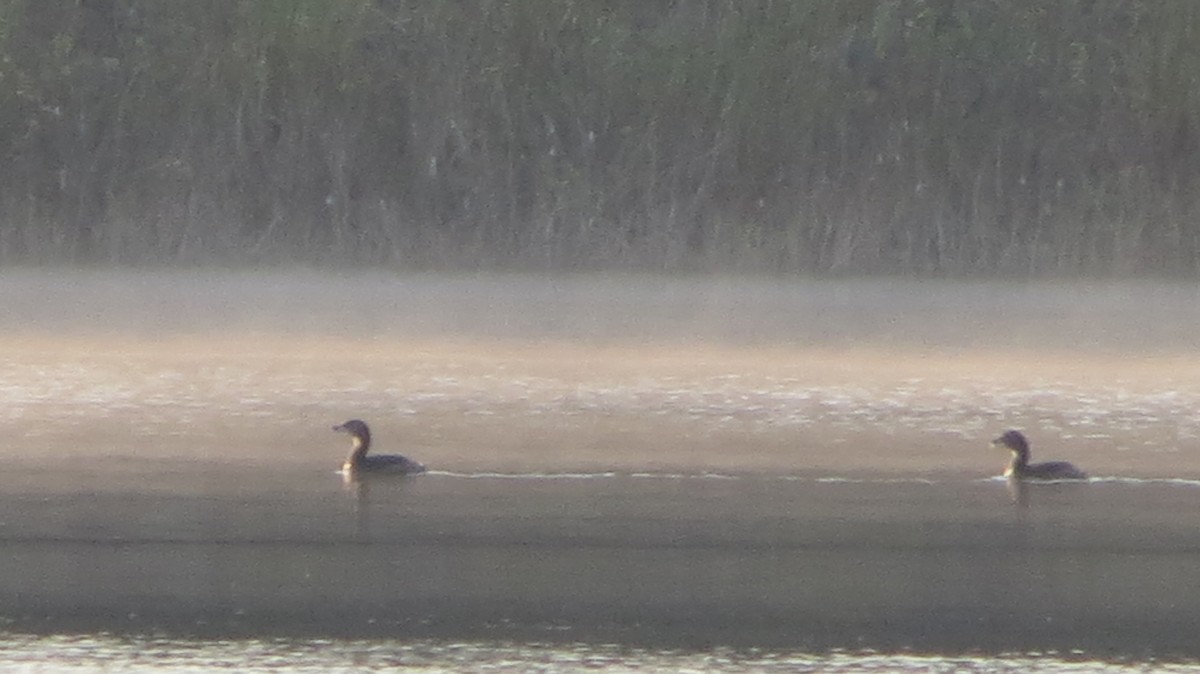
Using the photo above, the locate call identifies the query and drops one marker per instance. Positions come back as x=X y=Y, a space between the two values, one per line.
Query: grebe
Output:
x=1019 y=466
x=359 y=462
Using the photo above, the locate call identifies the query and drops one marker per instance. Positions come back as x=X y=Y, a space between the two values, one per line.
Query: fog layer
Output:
x=565 y=373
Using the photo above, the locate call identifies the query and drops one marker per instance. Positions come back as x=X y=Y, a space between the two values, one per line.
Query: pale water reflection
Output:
x=106 y=654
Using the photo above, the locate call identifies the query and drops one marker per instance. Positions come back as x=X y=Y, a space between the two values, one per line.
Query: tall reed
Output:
x=861 y=136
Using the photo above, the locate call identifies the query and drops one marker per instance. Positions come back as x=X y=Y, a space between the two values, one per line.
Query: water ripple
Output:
x=103 y=653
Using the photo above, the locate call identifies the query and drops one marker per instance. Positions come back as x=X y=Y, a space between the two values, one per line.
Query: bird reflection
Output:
x=1041 y=495
x=1018 y=491
x=360 y=487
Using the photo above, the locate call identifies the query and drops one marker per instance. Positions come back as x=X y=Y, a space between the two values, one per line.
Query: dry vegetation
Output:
x=859 y=136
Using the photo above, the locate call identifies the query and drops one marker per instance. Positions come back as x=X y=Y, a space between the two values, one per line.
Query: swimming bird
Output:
x=1019 y=466
x=359 y=462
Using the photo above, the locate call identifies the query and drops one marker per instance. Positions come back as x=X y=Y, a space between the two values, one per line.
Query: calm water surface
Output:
x=655 y=560
x=628 y=475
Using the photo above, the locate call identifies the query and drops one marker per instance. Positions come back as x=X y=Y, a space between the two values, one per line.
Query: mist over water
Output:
x=663 y=462
x=1142 y=316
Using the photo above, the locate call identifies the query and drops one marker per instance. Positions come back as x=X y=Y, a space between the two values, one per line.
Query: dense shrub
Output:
x=926 y=136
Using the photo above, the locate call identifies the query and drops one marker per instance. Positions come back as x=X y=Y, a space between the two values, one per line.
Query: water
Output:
x=629 y=474
x=103 y=653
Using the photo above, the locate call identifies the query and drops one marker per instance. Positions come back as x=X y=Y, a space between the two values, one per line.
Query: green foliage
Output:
x=858 y=136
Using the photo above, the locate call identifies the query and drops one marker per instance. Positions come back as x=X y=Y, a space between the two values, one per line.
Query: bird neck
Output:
x=358 y=450
x=1020 y=459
